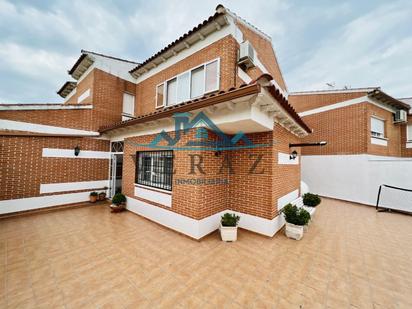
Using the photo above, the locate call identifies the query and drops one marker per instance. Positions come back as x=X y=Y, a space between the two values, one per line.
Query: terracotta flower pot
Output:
x=93 y=198
x=102 y=196
x=118 y=208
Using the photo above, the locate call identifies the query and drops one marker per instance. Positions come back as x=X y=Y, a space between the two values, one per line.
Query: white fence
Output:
x=355 y=177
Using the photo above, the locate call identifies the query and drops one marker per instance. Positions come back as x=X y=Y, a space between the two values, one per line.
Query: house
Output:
x=369 y=135
x=201 y=127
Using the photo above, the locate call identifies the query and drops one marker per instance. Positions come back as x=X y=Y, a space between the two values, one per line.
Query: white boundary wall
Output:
x=354 y=178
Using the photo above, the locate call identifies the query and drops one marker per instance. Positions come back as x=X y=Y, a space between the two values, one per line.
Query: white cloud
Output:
x=365 y=52
x=368 y=50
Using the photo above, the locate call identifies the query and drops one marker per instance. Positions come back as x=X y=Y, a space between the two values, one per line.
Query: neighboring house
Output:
x=123 y=116
x=369 y=135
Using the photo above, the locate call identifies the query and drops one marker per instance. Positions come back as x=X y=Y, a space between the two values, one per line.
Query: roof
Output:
x=214 y=18
x=330 y=91
x=85 y=61
x=215 y=98
x=387 y=99
x=66 y=88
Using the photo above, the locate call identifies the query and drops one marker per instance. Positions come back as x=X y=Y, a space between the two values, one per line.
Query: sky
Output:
x=347 y=43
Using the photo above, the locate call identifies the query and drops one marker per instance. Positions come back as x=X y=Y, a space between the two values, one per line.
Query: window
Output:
x=160 y=95
x=155 y=169
x=377 y=127
x=128 y=104
x=409 y=132
x=211 y=77
x=183 y=87
x=189 y=85
x=197 y=82
x=171 y=97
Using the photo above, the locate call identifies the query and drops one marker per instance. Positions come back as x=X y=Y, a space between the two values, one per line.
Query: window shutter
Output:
x=128 y=104
x=378 y=126
x=409 y=132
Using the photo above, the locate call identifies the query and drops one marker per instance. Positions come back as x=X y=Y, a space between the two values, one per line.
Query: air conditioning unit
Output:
x=246 y=55
x=401 y=116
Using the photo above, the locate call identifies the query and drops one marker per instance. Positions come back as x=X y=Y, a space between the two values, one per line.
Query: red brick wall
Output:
x=303 y=103
x=106 y=96
x=406 y=152
x=86 y=83
x=254 y=194
x=225 y=48
x=265 y=53
x=23 y=169
x=345 y=130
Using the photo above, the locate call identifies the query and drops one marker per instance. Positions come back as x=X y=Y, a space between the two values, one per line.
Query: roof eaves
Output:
x=205 y=101
x=387 y=99
x=177 y=41
x=106 y=56
x=66 y=88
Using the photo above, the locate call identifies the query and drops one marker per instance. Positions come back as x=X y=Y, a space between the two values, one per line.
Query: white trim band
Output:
x=41 y=128
x=22 y=204
x=34 y=107
x=200 y=228
x=69 y=153
x=72 y=186
x=364 y=99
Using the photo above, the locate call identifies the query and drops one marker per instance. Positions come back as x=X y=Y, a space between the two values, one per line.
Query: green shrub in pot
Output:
x=311 y=200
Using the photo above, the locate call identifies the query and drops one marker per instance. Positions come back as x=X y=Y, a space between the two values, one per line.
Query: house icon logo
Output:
x=202 y=141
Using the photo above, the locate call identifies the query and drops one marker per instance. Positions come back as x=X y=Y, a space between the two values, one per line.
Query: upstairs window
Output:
x=160 y=90
x=377 y=127
x=189 y=85
x=409 y=133
x=128 y=104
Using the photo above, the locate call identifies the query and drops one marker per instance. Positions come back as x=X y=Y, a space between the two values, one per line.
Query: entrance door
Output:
x=116 y=170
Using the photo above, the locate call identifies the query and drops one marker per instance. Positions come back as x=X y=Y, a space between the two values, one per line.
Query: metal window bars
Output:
x=155 y=169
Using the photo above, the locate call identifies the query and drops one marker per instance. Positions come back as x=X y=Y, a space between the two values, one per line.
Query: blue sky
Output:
x=349 y=43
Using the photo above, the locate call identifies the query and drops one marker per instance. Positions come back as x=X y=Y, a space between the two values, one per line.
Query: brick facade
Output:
x=255 y=193
x=265 y=53
x=347 y=129
x=225 y=49
x=23 y=168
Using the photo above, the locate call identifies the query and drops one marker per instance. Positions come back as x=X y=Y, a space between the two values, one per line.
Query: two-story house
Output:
x=368 y=134
x=201 y=127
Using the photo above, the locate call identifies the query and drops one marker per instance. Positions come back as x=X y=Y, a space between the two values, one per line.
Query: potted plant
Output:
x=93 y=197
x=296 y=218
x=311 y=200
x=102 y=195
x=228 y=227
x=118 y=202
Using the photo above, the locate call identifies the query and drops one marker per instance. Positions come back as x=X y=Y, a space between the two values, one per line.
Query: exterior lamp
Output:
x=293 y=155
x=76 y=150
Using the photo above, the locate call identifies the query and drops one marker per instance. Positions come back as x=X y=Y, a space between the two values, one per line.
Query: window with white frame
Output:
x=377 y=127
x=409 y=132
x=155 y=169
x=128 y=104
x=189 y=85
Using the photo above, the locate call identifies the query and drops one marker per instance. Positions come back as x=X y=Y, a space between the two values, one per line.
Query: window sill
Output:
x=408 y=144
x=153 y=189
x=380 y=141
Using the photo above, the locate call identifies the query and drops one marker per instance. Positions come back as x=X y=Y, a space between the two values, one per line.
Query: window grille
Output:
x=155 y=169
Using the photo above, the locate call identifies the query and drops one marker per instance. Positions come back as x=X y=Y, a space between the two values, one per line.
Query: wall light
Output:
x=293 y=155
x=76 y=150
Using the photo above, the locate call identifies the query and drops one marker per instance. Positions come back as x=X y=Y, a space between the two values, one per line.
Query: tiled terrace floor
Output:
x=80 y=258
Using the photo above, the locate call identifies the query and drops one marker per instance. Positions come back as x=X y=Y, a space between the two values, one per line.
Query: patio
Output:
x=351 y=257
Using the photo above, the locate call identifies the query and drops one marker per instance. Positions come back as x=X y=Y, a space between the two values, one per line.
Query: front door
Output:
x=116 y=170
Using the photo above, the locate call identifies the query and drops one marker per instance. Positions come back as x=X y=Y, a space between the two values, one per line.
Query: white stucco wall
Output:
x=355 y=177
